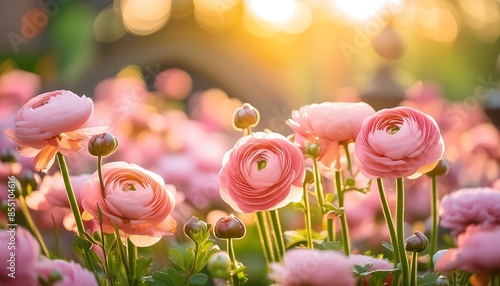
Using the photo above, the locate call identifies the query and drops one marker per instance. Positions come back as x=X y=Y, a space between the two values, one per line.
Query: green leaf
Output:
x=359 y=269
x=198 y=279
x=329 y=245
x=379 y=277
x=169 y=278
x=143 y=265
x=428 y=279
x=387 y=245
x=350 y=182
x=331 y=208
x=178 y=258
x=330 y=197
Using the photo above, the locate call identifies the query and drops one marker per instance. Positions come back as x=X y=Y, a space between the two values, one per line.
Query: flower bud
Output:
x=27 y=177
x=229 y=227
x=103 y=144
x=417 y=242
x=312 y=150
x=441 y=169
x=309 y=177
x=245 y=117
x=219 y=265
x=194 y=226
x=7 y=156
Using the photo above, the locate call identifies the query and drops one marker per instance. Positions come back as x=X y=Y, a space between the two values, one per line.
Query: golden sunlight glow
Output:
x=289 y=16
x=143 y=17
x=363 y=10
x=437 y=21
x=108 y=26
x=484 y=17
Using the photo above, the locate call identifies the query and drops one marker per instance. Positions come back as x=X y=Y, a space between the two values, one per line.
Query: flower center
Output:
x=129 y=187
x=393 y=129
x=261 y=164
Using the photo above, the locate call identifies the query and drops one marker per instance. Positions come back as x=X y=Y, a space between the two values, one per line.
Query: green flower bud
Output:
x=194 y=226
x=245 y=117
x=219 y=265
x=103 y=144
x=229 y=227
x=441 y=169
x=309 y=177
x=417 y=242
x=312 y=150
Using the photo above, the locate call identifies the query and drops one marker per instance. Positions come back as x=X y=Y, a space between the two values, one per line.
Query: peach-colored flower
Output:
x=19 y=241
x=52 y=122
x=328 y=123
x=69 y=273
x=135 y=200
x=479 y=206
x=477 y=251
x=263 y=171
x=303 y=266
x=398 y=142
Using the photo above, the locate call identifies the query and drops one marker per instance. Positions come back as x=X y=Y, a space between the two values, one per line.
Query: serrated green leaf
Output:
x=329 y=245
x=143 y=265
x=299 y=206
x=170 y=277
x=177 y=257
x=360 y=269
x=198 y=279
x=378 y=278
x=329 y=207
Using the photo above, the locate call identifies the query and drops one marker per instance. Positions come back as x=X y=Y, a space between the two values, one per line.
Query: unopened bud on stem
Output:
x=103 y=144
x=246 y=116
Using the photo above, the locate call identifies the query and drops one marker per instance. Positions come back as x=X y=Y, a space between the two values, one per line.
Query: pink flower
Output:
x=263 y=171
x=398 y=142
x=375 y=264
x=20 y=242
x=52 y=122
x=477 y=251
x=135 y=200
x=328 y=123
x=70 y=273
x=480 y=206
x=303 y=266
x=51 y=196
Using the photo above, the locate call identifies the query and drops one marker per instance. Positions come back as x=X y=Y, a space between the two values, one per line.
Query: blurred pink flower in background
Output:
x=69 y=273
x=51 y=198
x=26 y=251
x=52 y=122
x=174 y=83
x=477 y=251
x=470 y=206
x=314 y=268
x=398 y=142
x=135 y=200
x=263 y=171
x=328 y=123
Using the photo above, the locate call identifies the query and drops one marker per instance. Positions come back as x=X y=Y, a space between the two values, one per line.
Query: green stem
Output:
x=345 y=144
x=230 y=251
x=400 y=230
x=56 y=238
x=435 y=219
x=413 y=278
x=99 y=172
x=307 y=214
x=264 y=237
x=121 y=251
x=70 y=193
x=343 y=219
x=247 y=131
x=330 y=229
x=278 y=234
x=32 y=226
x=318 y=187
x=132 y=257
x=388 y=218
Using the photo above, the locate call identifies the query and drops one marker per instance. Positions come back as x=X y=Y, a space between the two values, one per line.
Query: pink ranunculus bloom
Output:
x=135 y=200
x=477 y=251
x=398 y=142
x=328 y=123
x=19 y=242
x=51 y=196
x=70 y=273
x=52 y=122
x=263 y=171
x=303 y=266
x=479 y=206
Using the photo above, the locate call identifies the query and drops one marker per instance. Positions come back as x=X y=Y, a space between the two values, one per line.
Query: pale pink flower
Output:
x=263 y=171
x=328 y=123
x=19 y=86
x=479 y=206
x=477 y=251
x=398 y=142
x=135 y=200
x=52 y=122
x=20 y=242
x=376 y=264
x=303 y=266
x=70 y=273
x=51 y=196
